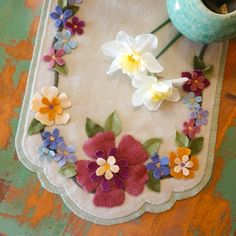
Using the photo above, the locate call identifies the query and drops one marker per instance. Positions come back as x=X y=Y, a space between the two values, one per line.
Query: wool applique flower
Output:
x=132 y=55
x=182 y=165
x=65 y=154
x=49 y=106
x=112 y=171
x=45 y=153
x=75 y=26
x=54 y=57
x=192 y=101
x=60 y=16
x=151 y=91
x=159 y=166
x=196 y=82
x=190 y=129
x=200 y=117
x=52 y=140
x=63 y=41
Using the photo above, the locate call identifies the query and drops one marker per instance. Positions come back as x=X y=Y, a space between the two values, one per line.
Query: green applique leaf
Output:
x=208 y=69
x=62 y=3
x=153 y=183
x=181 y=140
x=68 y=170
x=196 y=145
x=73 y=8
x=92 y=128
x=198 y=64
x=61 y=69
x=113 y=123
x=152 y=145
x=35 y=127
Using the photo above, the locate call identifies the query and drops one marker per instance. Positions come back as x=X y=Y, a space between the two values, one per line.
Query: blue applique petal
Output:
x=164 y=161
x=155 y=158
x=157 y=173
x=151 y=166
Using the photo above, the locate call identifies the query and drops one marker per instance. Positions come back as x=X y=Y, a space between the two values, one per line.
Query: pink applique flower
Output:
x=112 y=170
x=75 y=26
x=196 y=82
x=190 y=129
x=54 y=57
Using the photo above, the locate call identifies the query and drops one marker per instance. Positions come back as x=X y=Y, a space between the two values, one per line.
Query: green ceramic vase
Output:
x=198 y=23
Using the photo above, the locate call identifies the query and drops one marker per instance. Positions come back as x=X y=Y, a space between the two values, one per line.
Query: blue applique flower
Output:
x=51 y=140
x=73 y=2
x=159 y=166
x=63 y=41
x=45 y=153
x=60 y=16
x=191 y=101
x=65 y=154
x=200 y=116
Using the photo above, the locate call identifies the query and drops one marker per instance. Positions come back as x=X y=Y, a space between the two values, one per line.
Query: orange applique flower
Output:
x=49 y=106
x=181 y=164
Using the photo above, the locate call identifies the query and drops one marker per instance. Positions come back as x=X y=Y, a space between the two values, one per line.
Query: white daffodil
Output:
x=132 y=55
x=152 y=92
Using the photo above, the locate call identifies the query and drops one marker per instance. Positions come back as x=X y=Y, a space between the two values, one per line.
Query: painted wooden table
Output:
x=27 y=209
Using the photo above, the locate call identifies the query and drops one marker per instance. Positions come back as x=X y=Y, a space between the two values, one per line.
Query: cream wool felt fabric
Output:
x=95 y=95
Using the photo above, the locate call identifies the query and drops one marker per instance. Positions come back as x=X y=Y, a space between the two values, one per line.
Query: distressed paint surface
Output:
x=27 y=209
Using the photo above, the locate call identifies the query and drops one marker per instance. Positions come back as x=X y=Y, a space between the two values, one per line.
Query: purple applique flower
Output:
x=75 y=26
x=73 y=2
x=112 y=171
x=60 y=16
x=65 y=154
x=192 y=101
x=196 y=82
x=159 y=166
x=51 y=140
x=190 y=129
x=54 y=57
x=200 y=116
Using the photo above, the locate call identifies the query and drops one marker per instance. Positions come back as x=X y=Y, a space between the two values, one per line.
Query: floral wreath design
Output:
x=114 y=169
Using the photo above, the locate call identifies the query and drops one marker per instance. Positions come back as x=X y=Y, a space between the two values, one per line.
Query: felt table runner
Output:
x=95 y=95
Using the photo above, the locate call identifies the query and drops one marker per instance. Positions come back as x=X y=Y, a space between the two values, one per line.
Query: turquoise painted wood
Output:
x=195 y=21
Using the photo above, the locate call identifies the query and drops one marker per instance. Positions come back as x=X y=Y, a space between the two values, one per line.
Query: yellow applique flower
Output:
x=181 y=164
x=49 y=106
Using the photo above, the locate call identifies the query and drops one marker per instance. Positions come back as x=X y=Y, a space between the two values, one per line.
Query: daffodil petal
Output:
x=50 y=92
x=114 y=66
x=142 y=81
x=177 y=81
x=146 y=43
x=108 y=174
x=100 y=171
x=151 y=63
x=175 y=95
x=62 y=119
x=152 y=106
x=127 y=41
x=138 y=97
x=112 y=49
x=43 y=118
x=65 y=102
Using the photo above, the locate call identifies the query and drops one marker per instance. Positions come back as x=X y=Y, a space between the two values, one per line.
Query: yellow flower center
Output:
x=107 y=166
x=158 y=165
x=65 y=153
x=157 y=96
x=52 y=138
x=131 y=63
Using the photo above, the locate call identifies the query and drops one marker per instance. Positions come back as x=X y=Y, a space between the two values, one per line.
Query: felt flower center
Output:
x=61 y=17
x=52 y=138
x=196 y=81
x=158 y=165
x=65 y=153
x=107 y=168
x=183 y=165
x=131 y=62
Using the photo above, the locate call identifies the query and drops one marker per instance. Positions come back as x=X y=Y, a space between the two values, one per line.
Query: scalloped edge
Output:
x=146 y=207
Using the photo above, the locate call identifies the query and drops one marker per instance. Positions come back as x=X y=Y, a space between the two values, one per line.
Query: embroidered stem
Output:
x=202 y=53
x=177 y=36
x=161 y=26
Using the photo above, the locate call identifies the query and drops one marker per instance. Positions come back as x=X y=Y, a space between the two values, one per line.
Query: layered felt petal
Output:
x=101 y=141
x=43 y=118
x=50 y=92
x=82 y=176
x=131 y=150
x=63 y=118
x=36 y=102
x=134 y=185
x=115 y=197
x=64 y=100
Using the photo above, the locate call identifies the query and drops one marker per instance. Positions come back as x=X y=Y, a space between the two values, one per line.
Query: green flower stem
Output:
x=161 y=26
x=177 y=36
x=202 y=53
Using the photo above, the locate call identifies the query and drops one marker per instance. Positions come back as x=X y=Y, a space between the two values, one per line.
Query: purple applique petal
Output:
x=122 y=163
x=157 y=173
x=112 y=151
x=156 y=158
x=46 y=134
x=124 y=173
x=165 y=170
x=58 y=157
x=92 y=166
x=71 y=149
x=94 y=178
x=71 y=158
x=118 y=181
x=58 y=23
x=55 y=133
x=151 y=166
x=62 y=162
x=164 y=161
x=60 y=140
x=106 y=185
x=100 y=154
x=53 y=145
x=54 y=15
x=46 y=142
x=115 y=197
x=67 y=13
x=62 y=147
x=58 y=9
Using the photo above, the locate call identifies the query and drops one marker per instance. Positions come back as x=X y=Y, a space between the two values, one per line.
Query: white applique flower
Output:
x=132 y=55
x=107 y=167
x=151 y=91
x=49 y=106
